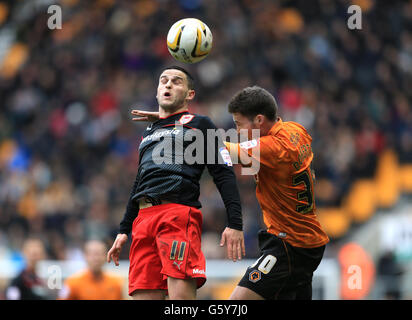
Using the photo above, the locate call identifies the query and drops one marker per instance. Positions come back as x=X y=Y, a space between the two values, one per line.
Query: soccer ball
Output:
x=189 y=40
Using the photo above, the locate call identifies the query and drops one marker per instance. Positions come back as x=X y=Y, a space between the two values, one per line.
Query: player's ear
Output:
x=190 y=94
x=259 y=119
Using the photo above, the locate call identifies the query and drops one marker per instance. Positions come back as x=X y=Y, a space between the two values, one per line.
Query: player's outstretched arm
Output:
x=114 y=252
x=235 y=243
x=150 y=116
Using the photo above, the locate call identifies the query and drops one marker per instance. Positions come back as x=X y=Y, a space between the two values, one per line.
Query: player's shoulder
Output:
x=196 y=120
x=201 y=117
x=291 y=126
x=285 y=135
x=292 y=133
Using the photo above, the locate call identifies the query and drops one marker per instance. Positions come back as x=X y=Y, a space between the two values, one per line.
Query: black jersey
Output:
x=165 y=171
x=27 y=286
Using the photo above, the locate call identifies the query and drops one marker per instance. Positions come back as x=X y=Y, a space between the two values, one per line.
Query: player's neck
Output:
x=265 y=128
x=166 y=113
x=97 y=274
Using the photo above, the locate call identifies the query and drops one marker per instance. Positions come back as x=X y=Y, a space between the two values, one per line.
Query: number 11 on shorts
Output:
x=173 y=251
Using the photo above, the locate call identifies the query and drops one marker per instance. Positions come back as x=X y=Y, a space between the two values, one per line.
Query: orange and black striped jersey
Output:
x=285 y=183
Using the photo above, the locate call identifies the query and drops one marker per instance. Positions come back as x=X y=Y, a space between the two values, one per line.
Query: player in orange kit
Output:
x=293 y=244
x=94 y=283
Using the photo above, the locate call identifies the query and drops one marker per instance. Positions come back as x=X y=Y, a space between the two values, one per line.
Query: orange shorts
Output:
x=166 y=242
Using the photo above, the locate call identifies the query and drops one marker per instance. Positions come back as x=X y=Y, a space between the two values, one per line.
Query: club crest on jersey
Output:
x=186 y=118
x=255 y=276
x=248 y=144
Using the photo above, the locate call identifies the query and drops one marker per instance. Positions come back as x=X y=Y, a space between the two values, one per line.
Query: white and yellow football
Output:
x=189 y=40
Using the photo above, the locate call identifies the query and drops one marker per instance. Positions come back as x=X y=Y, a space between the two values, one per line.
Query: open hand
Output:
x=150 y=116
x=235 y=242
x=114 y=252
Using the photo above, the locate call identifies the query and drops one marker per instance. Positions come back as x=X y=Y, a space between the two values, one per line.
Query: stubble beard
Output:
x=175 y=105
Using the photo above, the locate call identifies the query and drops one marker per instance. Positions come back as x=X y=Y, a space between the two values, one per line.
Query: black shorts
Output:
x=282 y=272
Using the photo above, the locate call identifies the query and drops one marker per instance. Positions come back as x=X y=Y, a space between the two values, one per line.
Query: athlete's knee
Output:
x=181 y=289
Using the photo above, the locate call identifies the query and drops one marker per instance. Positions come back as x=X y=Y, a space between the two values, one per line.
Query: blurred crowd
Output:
x=68 y=147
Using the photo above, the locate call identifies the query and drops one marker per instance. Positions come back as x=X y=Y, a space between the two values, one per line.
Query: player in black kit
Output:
x=163 y=210
x=27 y=285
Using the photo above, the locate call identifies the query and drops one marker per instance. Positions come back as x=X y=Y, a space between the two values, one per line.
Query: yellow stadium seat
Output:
x=405 y=178
x=366 y=195
x=360 y=203
x=13 y=60
x=387 y=180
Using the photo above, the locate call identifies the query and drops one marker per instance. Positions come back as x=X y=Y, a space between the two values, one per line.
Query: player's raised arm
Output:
x=239 y=155
x=142 y=115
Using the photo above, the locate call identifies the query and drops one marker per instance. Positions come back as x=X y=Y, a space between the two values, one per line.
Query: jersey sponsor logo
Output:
x=198 y=271
x=248 y=144
x=178 y=145
x=226 y=156
x=161 y=133
x=186 y=118
x=255 y=276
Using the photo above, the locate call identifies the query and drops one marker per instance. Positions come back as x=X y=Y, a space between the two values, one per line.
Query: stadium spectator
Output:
x=93 y=283
x=390 y=272
x=28 y=285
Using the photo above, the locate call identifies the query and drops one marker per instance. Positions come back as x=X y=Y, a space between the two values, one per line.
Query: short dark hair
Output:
x=189 y=77
x=252 y=101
